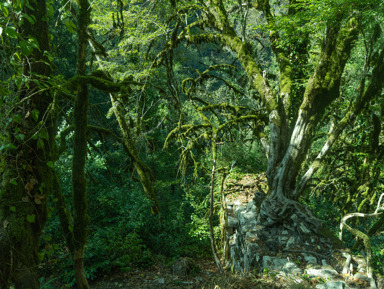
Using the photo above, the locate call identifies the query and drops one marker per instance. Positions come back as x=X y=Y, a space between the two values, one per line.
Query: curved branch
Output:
x=367 y=243
x=374 y=88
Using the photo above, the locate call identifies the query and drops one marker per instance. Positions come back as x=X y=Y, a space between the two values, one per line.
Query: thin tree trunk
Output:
x=211 y=233
x=144 y=172
x=79 y=184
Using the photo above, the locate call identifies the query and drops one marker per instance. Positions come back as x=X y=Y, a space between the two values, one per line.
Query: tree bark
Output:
x=145 y=175
x=28 y=161
x=79 y=183
x=287 y=148
x=211 y=201
x=144 y=172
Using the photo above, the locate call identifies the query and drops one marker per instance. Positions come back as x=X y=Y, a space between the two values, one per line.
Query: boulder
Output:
x=332 y=285
x=183 y=266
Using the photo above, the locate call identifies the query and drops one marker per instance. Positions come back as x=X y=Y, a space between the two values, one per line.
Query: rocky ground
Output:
x=203 y=276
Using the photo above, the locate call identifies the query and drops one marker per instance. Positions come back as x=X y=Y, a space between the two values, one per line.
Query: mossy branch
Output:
x=63 y=135
x=185 y=130
x=101 y=80
x=223 y=106
x=364 y=96
x=367 y=243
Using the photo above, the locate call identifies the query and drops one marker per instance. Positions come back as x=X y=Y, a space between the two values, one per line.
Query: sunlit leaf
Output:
x=25 y=47
x=10 y=32
x=70 y=26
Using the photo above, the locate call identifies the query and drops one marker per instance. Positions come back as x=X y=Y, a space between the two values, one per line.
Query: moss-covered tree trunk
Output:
x=27 y=173
x=321 y=90
x=144 y=172
x=211 y=205
x=291 y=128
x=79 y=183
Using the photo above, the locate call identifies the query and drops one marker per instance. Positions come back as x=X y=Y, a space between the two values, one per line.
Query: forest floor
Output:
x=160 y=276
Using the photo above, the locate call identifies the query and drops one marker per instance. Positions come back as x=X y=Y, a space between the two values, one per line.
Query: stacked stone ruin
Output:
x=288 y=248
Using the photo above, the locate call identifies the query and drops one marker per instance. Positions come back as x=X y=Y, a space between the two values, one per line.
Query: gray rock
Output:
x=323 y=273
x=309 y=258
x=380 y=283
x=160 y=281
x=291 y=243
x=291 y=268
x=283 y=239
x=361 y=277
x=274 y=263
x=253 y=248
x=247 y=220
x=304 y=229
x=332 y=285
x=294 y=218
x=258 y=197
x=251 y=206
x=245 y=217
x=233 y=222
x=183 y=266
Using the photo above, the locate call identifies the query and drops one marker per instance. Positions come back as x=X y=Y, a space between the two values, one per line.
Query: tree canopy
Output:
x=125 y=122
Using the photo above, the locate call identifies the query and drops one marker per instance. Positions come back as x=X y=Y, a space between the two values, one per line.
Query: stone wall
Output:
x=288 y=248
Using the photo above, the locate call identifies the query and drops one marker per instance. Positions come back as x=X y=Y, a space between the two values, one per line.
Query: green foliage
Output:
x=196 y=91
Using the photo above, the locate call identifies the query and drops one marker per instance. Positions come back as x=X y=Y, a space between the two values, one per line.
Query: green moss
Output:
x=325 y=232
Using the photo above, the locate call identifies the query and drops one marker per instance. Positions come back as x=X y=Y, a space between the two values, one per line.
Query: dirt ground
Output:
x=156 y=277
x=160 y=276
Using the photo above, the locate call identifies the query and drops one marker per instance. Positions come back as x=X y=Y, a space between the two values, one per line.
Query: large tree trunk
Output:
x=322 y=89
x=28 y=173
x=288 y=148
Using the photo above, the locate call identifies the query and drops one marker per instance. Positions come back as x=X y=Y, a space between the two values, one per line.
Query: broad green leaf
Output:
x=35 y=114
x=25 y=47
x=10 y=32
x=40 y=143
x=29 y=6
x=43 y=134
x=12 y=209
x=70 y=26
x=11 y=146
x=5 y=12
x=20 y=136
x=29 y=18
x=13 y=182
x=33 y=43
x=31 y=218
x=50 y=10
x=17 y=118
x=50 y=164
x=41 y=256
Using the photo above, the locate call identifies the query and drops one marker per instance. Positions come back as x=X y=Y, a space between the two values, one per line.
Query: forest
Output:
x=191 y=144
